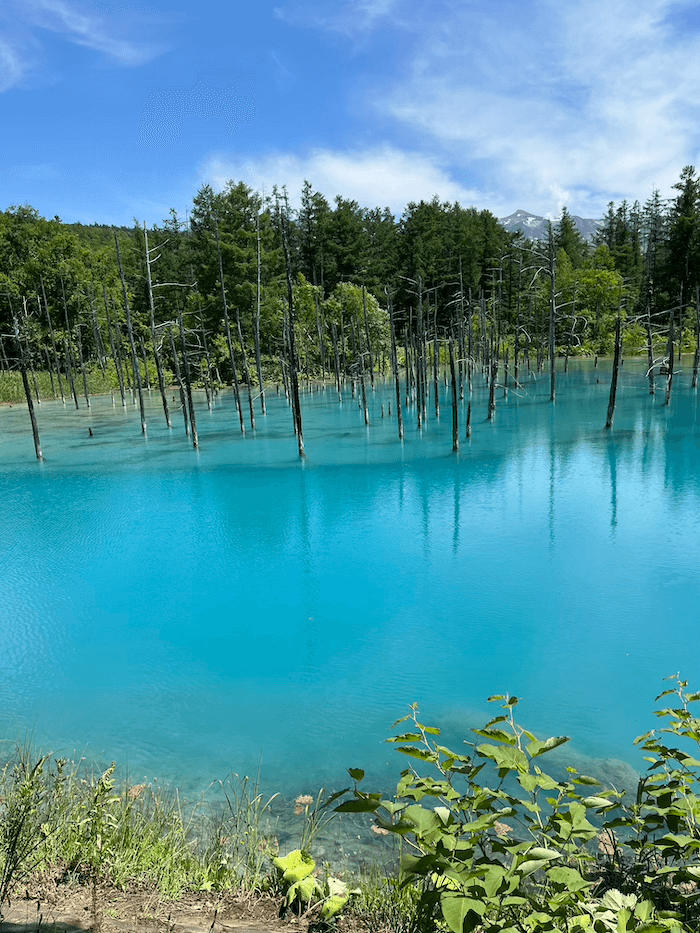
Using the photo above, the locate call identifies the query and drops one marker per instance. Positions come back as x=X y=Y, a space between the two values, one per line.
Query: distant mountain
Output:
x=534 y=227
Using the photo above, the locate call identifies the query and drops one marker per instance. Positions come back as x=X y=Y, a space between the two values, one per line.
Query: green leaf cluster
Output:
x=495 y=844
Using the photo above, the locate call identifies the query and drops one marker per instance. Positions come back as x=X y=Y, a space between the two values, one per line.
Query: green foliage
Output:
x=304 y=892
x=25 y=818
x=493 y=843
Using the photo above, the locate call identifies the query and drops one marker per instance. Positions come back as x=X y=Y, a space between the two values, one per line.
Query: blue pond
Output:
x=192 y=614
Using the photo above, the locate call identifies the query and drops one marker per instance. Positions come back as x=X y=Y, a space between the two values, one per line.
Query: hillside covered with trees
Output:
x=248 y=291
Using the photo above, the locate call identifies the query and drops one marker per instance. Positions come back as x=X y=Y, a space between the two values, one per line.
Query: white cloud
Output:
x=98 y=32
x=120 y=33
x=380 y=177
x=580 y=102
x=13 y=65
x=350 y=17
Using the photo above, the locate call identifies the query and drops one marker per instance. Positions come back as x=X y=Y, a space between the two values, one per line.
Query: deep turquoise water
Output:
x=194 y=613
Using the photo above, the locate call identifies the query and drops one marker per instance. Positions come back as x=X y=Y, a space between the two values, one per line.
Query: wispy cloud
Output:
x=98 y=31
x=586 y=101
x=129 y=35
x=350 y=17
x=13 y=64
x=381 y=177
x=546 y=102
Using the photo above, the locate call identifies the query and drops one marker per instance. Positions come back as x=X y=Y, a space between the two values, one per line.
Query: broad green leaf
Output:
x=493 y=879
x=357 y=774
x=426 y=822
x=540 y=748
x=461 y=913
x=443 y=814
x=421 y=753
x=295 y=866
x=405 y=737
x=529 y=866
x=303 y=890
x=363 y=805
x=528 y=782
x=496 y=735
x=508 y=758
x=333 y=905
x=569 y=878
x=598 y=803
x=615 y=900
x=540 y=853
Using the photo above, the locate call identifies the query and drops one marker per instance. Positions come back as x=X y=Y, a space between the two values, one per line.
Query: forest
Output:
x=247 y=291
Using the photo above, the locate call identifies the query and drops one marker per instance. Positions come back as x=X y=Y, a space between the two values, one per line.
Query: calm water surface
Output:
x=193 y=613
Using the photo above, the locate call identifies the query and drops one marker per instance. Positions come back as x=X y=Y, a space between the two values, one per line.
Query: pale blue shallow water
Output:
x=191 y=613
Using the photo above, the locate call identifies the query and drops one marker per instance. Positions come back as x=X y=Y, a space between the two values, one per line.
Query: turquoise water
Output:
x=196 y=613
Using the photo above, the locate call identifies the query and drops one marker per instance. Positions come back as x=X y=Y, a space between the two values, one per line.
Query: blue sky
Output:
x=116 y=111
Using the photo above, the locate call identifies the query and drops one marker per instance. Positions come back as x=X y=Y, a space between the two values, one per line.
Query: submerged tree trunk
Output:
x=669 y=375
x=156 y=350
x=188 y=381
x=86 y=388
x=696 y=361
x=367 y=335
x=395 y=366
x=492 y=388
x=234 y=373
x=115 y=353
x=53 y=342
x=615 y=373
x=132 y=343
x=650 y=353
x=178 y=376
x=293 y=364
x=27 y=389
x=69 y=355
x=258 y=300
x=455 y=409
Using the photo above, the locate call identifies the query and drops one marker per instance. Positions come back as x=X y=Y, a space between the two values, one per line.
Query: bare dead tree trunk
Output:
x=552 y=326
x=154 y=338
x=79 y=343
x=53 y=342
x=115 y=354
x=367 y=335
x=246 y=368
x=293 y=367
x=455 y=403
x=492 y=388
x=468 y=432
x=336 y=354
x=69 y=354
x=696 y=361
x=395 y=365
x=670 y=351
x=130 y=332
x=615 y=373
x=188 y=381
x=436 y=368
x=650 y=353
x=178 y=376
x=25 y=384
x=234 y=376
x=258 y=301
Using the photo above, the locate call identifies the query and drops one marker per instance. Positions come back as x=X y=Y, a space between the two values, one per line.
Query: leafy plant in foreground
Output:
x=495 y=844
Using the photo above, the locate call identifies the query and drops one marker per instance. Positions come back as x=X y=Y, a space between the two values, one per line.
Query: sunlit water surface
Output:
x=193 y=614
